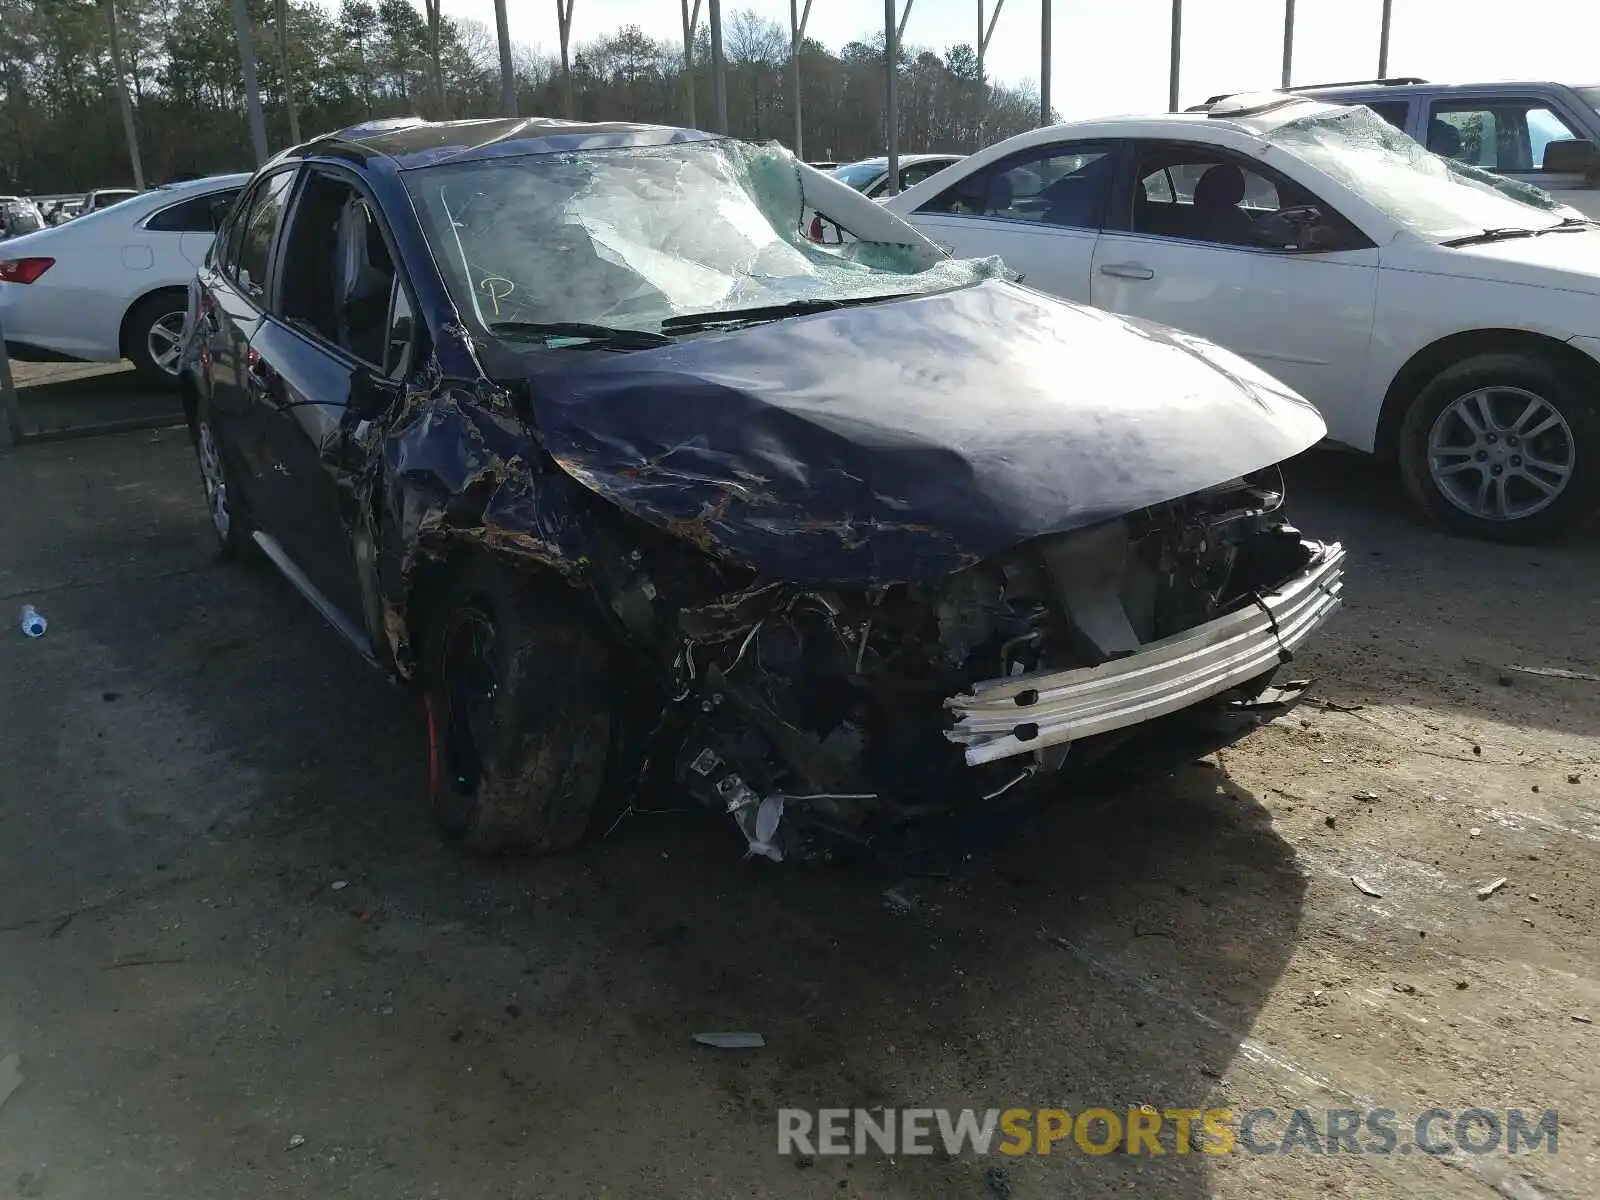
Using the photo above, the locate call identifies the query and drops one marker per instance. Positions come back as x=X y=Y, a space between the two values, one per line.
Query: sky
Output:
x=1113 y=57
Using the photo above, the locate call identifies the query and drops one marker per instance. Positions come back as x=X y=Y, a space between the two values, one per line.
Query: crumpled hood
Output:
x=901 y=441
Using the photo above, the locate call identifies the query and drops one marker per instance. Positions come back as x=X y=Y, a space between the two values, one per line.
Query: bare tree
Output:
x=432 y=9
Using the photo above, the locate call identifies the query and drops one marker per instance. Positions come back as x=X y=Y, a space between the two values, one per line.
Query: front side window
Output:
x=632 y=237
x=256 y=232
x=338 y=275
x=1201 y=195
x=1508 y=135
x=1432 y=195
x=1067 y=186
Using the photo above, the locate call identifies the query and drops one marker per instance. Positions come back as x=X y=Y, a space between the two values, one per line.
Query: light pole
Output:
x=252 y=91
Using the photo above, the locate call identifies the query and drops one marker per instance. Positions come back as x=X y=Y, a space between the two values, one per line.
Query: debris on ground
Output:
x=1574 y=777
x=31 y=623
x=1474 y=832
x=1366 y=888
x=999 y=1183
x=1491 y=888
x=10 y=1076
x=1366 y=795
x=1583 y=1018
x=297 y=1141
x=1329 y=821
x=339 y=885
x=732 y=1040
x=1556 y=673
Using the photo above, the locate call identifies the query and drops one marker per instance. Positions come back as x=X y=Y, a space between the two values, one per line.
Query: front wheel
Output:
x=519 y=717
x=1504 y=447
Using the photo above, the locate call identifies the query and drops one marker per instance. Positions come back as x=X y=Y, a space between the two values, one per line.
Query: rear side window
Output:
x=1393 y=111
x=256 y=231
x=1064 y=185
x=199 y=214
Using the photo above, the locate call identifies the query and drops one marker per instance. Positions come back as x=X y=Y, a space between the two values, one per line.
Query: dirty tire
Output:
x=225 y=506
x=150 y=326
x=519 y=716
x=1512 y=378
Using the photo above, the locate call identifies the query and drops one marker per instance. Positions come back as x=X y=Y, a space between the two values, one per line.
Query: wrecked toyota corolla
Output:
x=572 y=426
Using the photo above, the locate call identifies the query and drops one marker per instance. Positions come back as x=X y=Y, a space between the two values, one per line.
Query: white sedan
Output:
x=1432 y=315
x=113 y=283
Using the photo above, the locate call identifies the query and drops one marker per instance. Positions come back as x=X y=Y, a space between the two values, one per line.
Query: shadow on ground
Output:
x=1434 y=621
x=60 y=400
x=204 y=761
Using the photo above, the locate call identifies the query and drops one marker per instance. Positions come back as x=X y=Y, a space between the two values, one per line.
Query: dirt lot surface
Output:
x=228 y=924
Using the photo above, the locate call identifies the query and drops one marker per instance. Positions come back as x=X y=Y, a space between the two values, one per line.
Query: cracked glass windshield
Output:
x=628 y=238
x=1436 y=197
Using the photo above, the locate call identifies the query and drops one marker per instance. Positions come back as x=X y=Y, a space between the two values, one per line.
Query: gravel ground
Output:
x=226 y=924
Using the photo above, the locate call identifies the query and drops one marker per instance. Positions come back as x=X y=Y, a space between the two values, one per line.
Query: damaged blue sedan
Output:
x=572 y=427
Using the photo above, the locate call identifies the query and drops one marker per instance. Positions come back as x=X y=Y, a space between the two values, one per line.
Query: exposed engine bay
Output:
x=818 y=717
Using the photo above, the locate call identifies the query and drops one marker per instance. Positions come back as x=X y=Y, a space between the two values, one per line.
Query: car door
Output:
x=1186 y=253
x=1039 y=209
x=1508 y=134
x=231 y=304
x=326 y=361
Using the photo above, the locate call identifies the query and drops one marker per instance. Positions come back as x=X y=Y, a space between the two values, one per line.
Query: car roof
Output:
x=412 y=142
x=1402 y=89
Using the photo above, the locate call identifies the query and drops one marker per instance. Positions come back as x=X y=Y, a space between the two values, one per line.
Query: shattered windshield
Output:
x=629 y=238
x=1436 y=197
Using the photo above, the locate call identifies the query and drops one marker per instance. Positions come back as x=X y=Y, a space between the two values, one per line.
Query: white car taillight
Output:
x=23 y=270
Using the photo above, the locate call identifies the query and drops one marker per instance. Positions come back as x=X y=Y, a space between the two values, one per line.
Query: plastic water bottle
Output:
x=32 y=623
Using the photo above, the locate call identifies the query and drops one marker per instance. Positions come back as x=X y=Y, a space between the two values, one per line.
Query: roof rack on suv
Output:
x=1391 y=81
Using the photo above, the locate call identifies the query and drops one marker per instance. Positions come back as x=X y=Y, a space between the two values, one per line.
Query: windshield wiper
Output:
x=770 y=312
x=1497 y=234
x=604 y=336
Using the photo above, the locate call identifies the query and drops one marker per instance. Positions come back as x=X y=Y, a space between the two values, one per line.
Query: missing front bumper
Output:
x=1001 y=718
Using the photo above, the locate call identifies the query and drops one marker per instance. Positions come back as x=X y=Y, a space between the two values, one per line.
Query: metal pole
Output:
x=1177 y=51
x=1044 y=62
x=985 y=32
x=891 y=56
x=564 y=20
x=10 y=408
x=794 y=75
x=1288 y=39
x=126 y=105
x=288 y=85
x=252 y=92
x=508 y=77
x=1383 y=40
x=719 y=65
x=900 y=29
x=691 y=19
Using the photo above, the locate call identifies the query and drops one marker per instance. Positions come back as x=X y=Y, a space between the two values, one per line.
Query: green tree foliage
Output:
x=60 y=129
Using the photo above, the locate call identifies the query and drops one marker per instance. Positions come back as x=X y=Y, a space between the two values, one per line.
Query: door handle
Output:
x=1127 y=270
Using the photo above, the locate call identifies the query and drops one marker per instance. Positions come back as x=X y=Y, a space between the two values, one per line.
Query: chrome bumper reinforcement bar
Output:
x=1005 y=717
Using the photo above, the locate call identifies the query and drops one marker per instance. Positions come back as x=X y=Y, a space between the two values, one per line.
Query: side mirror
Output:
x=1302 y=227
x=1571 y=156
x=369 y=395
